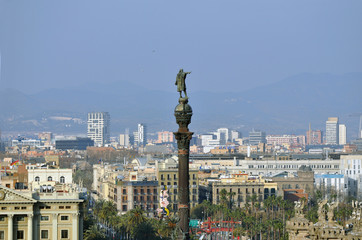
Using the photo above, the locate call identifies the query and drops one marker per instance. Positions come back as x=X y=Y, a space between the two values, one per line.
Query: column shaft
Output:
x=30 y=226
x=10 y=226
x=75 y=227
x=55 y=226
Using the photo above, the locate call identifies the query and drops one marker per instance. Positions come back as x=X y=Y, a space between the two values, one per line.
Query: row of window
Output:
x=175 y=183
x=16 y=208
x=50 y=178
x=42 y=218
x=62 y=218
x=44 y=234
x=142 y=191
x=239 y=191
x=278 y=166
x=194 y=177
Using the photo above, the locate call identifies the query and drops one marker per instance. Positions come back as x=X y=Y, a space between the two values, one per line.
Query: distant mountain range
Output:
x=283 y=107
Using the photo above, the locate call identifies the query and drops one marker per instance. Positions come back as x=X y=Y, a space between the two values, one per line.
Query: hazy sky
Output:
x=228 y=45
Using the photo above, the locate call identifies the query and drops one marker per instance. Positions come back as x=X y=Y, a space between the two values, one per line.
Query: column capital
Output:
x=55 y=215
x=10 y=215
x=30 y=215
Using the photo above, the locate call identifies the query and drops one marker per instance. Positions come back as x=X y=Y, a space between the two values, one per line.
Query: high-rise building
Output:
x=124 y=140
x=332 y=131
x=342 y=134
x=256 y=137
x=235 y=135
x=314 y=137
x=141 y=135
x=165 y=137
x=222 y=135
x=99 y=127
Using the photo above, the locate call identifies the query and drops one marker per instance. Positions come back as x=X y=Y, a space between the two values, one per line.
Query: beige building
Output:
x=167 y=175
x=304 y=179
x=39 y=215
x=244 y=187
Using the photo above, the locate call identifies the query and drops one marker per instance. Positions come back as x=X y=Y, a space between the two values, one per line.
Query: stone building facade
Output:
x=35 y=215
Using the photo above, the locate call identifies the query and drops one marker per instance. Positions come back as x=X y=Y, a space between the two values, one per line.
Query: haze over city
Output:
x=150 y=120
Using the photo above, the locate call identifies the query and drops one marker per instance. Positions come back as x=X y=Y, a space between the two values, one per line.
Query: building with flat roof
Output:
x=256 y=137
x=75 y=144
x=342 y=134
x=99 y=127
x=332 y=131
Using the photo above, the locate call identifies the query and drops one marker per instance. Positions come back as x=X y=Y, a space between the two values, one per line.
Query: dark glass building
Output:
x=76 y=144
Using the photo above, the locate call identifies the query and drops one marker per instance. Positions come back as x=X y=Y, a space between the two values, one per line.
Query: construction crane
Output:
x=360 y=122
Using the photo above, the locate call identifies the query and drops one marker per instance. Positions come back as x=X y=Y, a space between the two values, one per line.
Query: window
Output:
x=50 y=179
x=124 y=208
x=44 y=234
x=37 y=179
x=68 y=207
x=64 y=218
x=20 y=234
x=3 y=208
x=124 y=191
x=2 y=235
x=20 y=218
x=61 y=207
x=161 y=176
x=62 y=179
x=64 y=234
x=44 y=218
x=2 y=219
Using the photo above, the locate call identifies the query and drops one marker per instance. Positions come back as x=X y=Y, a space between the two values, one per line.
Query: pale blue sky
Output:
x=228 y=45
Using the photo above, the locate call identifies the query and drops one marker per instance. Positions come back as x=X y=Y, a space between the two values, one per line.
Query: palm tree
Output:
x=231 y=197
x=94 y=233
x=223 y=199
x=134 y=218
x=144 y=231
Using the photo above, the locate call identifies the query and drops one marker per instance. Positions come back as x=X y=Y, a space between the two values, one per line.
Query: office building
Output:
x=256 y=137
x=222 y=135
x=124 y=140
x=332 y=131
x=140 y=137
x=342 y=134
x=99 y=128
x=75 y=144
x=235 y=135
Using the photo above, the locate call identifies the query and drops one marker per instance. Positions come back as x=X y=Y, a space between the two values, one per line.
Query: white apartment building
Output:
x=351 y=167
x=124 y=140
x=342 y=134
x=278 y=140
x=99 y=127
x=332 y=131
x=141 y=137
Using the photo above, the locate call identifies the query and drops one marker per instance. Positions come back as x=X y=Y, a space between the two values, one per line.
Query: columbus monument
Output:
x=183 y=114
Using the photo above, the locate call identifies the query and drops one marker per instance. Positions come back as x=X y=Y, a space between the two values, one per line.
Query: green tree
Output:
x=94 y=233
